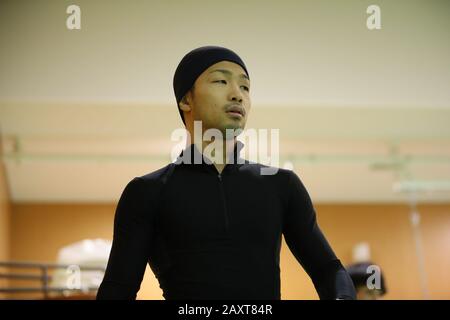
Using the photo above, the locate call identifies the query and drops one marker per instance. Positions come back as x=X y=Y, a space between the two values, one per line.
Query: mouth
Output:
x=236 y=111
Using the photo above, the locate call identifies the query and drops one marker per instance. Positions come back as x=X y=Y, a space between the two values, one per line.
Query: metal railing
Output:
x=44 y=277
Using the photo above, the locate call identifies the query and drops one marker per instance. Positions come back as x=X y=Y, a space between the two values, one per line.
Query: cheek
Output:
x=206 y=107
x=248 y=104
x=212 y=103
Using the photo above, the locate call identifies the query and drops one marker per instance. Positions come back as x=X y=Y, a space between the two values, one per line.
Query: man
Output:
x=213 y=229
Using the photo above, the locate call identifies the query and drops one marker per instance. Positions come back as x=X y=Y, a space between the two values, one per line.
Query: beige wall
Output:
x=5 y=218
x=39 y=230
x=5 y=215
x=388 y=231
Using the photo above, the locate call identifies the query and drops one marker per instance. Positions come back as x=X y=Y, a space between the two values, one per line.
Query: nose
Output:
x=235 y=93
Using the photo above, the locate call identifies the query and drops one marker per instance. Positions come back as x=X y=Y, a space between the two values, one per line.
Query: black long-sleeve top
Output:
x=207 y=235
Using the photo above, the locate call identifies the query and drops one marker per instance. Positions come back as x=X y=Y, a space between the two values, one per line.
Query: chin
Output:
x=232 y=128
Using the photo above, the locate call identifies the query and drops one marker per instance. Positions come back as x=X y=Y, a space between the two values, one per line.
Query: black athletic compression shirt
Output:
x=207 y=235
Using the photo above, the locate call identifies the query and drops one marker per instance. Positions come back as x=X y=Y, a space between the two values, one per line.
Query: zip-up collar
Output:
x=199 y=160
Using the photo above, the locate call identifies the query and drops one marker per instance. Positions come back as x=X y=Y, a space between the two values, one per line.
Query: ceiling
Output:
x=84 y=111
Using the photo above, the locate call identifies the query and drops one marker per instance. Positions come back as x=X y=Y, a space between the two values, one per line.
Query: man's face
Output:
x=221 y=97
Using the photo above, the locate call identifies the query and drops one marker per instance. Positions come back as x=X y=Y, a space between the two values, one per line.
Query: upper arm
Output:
x=301 y=231
x=310 y=247
x=132 y=239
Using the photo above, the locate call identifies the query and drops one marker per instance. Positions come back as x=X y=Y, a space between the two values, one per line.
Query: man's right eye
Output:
x=222 y=81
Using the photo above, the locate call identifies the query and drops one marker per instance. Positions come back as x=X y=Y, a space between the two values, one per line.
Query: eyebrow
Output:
x=242 y=75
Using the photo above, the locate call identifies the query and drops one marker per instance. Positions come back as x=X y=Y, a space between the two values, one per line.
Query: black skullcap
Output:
x=194 y=63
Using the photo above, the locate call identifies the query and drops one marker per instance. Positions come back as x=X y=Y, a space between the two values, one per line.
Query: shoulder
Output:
x=143 y=192
x=157 y=176
x=266 y=172
x=279 y=180
x=150 y=181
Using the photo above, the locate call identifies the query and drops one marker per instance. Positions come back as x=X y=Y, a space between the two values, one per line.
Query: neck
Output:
x=219 y=153
x=222 y=152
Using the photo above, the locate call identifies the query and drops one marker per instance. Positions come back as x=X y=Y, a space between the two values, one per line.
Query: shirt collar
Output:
x=191 y=156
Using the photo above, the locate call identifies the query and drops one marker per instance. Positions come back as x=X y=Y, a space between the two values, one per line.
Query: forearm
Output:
x=333 y=282
x=111 y=290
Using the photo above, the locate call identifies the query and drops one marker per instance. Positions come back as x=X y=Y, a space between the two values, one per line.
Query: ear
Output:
x=185 y=103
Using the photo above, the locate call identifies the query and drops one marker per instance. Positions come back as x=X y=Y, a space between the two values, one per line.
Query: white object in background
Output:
x=86 y=253
x=361 y=252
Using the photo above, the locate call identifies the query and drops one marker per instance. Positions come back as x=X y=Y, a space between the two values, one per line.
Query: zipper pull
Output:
x=219 y=176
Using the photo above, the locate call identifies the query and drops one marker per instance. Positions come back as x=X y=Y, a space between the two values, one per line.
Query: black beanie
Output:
x=194 y=63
